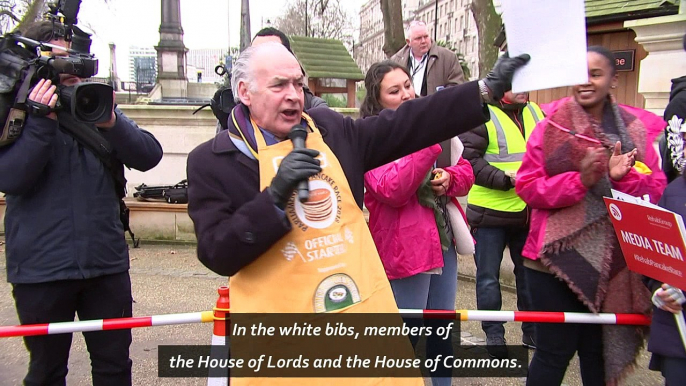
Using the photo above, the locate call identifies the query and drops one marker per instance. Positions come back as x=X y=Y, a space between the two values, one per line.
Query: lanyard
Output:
x=419 y=66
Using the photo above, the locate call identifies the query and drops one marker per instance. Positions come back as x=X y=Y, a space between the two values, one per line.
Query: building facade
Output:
x=204 y=61
x=450 y=21
x=142 y=69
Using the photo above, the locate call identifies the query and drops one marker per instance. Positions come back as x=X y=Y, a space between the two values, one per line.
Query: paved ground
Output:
x=169 y=279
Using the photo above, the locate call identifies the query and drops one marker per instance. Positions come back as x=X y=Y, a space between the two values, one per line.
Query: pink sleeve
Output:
x=637 y=184
x=539 y=190
x=396 y=182
x=461 y=178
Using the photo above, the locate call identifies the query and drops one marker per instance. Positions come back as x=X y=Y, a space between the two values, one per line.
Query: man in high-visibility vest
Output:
x=497 y=216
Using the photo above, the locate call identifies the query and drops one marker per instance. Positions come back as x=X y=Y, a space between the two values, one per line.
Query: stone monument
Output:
x=171 y=52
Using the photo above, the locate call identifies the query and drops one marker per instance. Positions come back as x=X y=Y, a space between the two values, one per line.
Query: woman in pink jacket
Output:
x=584 y=148
x=409 y=216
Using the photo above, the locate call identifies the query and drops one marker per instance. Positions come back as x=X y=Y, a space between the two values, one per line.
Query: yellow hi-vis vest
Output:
x=505 y=151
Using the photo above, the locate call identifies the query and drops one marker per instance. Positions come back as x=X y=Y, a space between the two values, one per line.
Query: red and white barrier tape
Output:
x=207 y=316
x=531 y=316
x=106 y=324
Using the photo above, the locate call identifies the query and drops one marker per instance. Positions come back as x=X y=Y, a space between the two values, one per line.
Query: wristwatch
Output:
x=485 y=92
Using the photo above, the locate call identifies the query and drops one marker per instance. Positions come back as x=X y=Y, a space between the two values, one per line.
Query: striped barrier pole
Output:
x=530 y=316
x=208 y=316
x=219 y=349
x=105 y=324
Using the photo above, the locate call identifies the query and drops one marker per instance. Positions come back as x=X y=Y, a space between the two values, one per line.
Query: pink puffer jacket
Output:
x=543 y=193
x=404 y=231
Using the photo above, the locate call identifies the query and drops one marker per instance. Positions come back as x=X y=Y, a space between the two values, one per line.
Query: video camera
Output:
x=24 y=61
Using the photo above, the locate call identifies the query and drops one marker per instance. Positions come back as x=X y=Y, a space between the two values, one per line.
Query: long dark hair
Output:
x=372 y=83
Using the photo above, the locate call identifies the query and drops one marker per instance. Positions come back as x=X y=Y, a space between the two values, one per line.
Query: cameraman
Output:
x=66 y=250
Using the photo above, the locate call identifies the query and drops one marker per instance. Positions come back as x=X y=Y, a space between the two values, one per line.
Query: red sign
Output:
x=651 y=240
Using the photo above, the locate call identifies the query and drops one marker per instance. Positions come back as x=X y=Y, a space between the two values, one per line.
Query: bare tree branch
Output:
x=32 y=14
x=19 y=15
x=10 y=14
x=331 y=21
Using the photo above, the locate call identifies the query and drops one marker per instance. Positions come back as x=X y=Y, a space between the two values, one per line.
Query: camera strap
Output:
x=16 y=116
x=89 y=137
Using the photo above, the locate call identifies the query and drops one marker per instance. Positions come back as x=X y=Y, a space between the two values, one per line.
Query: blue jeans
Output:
x=489 y=248
x=432 y=292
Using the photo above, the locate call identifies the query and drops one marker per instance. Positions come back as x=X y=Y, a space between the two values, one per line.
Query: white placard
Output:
x=554 y=34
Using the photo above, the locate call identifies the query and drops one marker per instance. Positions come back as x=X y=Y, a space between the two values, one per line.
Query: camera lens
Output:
x=88 y=103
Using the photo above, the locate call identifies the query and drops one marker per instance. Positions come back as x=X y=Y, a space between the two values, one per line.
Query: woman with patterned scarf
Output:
x=588 y=146
x=409 y=202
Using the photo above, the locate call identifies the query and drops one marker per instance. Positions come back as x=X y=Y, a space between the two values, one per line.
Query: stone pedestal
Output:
x=174 y=88
x=171 y=52
x=662 y=39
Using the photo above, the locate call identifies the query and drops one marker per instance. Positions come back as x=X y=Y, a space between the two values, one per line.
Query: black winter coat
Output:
x=62 y=219
x=675 y=107
x=664 y=335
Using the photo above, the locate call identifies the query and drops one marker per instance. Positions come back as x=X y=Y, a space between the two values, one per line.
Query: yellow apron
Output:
x=327 y=263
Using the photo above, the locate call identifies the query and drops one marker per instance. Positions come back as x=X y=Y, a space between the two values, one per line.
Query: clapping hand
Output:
x=620 y=164
x=592 y=166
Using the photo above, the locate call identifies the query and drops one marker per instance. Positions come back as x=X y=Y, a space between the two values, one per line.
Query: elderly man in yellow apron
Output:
x=288 y=256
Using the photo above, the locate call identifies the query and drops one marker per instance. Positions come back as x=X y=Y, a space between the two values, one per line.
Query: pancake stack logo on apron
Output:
x=321 y=211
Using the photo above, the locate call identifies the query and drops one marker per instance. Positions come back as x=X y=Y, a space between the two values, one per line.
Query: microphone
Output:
x=298 y=135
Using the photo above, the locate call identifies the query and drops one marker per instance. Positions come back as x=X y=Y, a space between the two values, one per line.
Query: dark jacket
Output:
x=675 y=107
x=235 y=223
x=664 y=335
x=475 y=145
x=62 y=218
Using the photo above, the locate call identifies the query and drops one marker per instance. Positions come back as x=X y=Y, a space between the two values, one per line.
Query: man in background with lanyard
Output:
x=432 y=67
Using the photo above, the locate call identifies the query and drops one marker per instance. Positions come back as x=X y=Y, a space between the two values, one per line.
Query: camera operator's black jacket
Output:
x=62 y=218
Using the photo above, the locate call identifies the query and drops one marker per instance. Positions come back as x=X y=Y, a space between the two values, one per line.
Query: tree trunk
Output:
x=245 y=25
x=394 y=31
x=488 y=24
x=32 y=13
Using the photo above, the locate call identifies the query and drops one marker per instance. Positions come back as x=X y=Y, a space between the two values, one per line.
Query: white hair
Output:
x=414 y=23
x=243 y=68
x=242 y=72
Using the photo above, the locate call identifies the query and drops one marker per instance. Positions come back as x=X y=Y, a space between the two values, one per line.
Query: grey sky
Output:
x=136 y=23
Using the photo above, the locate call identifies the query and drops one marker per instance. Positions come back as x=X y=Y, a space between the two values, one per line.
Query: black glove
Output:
x=499 y=80
x=298 y=165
